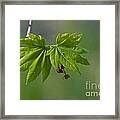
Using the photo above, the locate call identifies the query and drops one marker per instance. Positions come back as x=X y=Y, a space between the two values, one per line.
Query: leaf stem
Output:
x=51 y=45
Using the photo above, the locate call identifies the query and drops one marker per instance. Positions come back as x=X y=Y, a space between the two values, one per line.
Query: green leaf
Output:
x=75 y=54
x=25 y=50
x=26 y=42
x=82 y=60
x=25 y=66
x=33 y=41
x=68 y=62
x=54 y=58
x=31 y=56
x=68 y=52
x=22 y=54
x=61 y=37
x=57 y=56
x=42 y=63
x=39 y=40
x=46 y=68
x=81 y=50
x=35 y=68
x=49 y=51
x=69 y=40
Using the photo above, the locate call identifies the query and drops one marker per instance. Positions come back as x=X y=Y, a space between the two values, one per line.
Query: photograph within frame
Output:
x=79 y=39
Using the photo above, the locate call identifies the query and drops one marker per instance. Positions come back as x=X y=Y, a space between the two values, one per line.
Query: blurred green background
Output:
x=56 y=87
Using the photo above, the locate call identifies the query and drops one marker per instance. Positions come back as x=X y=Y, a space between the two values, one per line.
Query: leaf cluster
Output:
x=37 y=58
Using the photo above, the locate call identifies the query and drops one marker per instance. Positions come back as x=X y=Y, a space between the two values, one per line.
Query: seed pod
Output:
x=60 y=70
x=66 y=76
x=62 y=67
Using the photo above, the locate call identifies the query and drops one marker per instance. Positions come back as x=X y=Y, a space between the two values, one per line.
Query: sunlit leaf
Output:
x=76 y=55
x=26 y=42
x=25 y=66
x=54 y=58
x=25 y=50
x=46 y=68
x=82 y=60
x=68 y=39
x=38 y=39
x=81 y=50
x=57 y=56
x=33 y=41
x=49 y=51
x=35 y=68
x=31 y=56
x=68 y=62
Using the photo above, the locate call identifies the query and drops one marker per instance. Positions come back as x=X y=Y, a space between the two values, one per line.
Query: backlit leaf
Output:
x=33 y=41
x=46 y=68
x=31 y=56
x=82 y=60
x=68 y=39
x=81 y=50
x=25 y=66
x=25 y=50
x=54 y=58
x=38 y=39
x=26 y=42
x=68 y=62
x=49 y=51
x=76 y=55
x=35 y=68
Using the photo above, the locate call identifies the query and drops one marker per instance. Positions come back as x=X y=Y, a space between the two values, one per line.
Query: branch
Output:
x=29 y=27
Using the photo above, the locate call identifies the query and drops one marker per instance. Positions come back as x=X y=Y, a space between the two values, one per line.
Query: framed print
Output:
x=60 y=59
